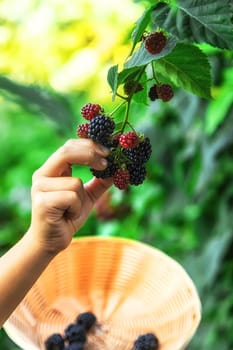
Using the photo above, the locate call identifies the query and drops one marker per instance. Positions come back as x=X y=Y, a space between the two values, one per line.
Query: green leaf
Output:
x=127 y=74
x=112 y=79
x=142 y=96
x=187 y=67
x=141 y=25
x=142 y=57
x=198 y=20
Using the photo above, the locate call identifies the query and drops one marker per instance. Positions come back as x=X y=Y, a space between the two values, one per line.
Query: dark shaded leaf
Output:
x=198 y=20
x=49 y=103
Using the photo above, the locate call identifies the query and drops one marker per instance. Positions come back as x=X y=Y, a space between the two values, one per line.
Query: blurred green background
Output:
x=54 y=58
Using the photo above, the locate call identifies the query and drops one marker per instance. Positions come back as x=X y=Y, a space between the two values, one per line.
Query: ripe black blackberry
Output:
x=146 y=342
x=86 y=319
x=75 y=333
x=140 y=154
x=100 y=128
x=137 y=174
x=153 y=93
x=75 y=346
x=55 y=342
x=109 y=171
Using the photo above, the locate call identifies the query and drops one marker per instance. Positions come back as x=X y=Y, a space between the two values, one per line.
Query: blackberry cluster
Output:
x=126 y=149
x=146 y=341
x=75 y=334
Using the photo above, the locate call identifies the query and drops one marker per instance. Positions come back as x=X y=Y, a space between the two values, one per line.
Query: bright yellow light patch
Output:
x=67 y=45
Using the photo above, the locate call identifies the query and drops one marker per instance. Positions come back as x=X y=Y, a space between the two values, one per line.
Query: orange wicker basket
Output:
x=131 y=287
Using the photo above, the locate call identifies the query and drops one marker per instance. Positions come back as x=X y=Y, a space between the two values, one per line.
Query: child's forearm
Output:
x=60 y=206
x=20 y=267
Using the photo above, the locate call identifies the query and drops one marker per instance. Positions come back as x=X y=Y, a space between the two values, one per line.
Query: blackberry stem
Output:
x=126 y=116
x=122 y=97
x=154 y=74
x=131 y=126
x=129 y=100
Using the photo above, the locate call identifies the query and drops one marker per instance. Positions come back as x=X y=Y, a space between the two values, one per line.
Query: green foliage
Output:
x=49 y=103
x=182 y=72
x=185 y=64
x=142 y=57
x=187 y=22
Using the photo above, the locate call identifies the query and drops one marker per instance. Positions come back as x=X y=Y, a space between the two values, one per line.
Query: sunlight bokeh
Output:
x=68 y=47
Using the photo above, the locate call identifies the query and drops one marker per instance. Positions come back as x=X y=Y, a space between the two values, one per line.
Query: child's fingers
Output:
x=58 y=203
x=50 y=184
x=96 y=187
x=80 y=151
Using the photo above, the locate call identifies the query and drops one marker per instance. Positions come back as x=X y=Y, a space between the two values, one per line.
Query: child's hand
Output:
x=61 y=203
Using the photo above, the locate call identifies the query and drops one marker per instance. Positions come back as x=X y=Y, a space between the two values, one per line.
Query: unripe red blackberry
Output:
x=121 y=179
x=129 y=140
x=90 y=110
x=132 y=87
x=109 y=171
x=155 y=42
x=153 y=93
x=75 y=333
x=55 y=342
x=86 y=319
x=164 y=92
x=140 y=154
x=146 y=342
x=82 y=130
x=100 y=128
x=137 y=174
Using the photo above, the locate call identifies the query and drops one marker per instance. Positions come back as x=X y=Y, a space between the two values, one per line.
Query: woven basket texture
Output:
x=131 y=287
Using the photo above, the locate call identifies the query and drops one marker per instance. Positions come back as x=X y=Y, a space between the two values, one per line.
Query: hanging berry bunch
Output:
x=129 y=150
x=157 y=61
